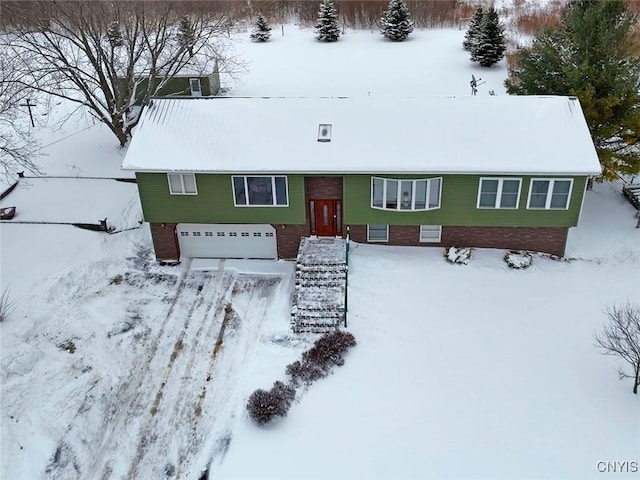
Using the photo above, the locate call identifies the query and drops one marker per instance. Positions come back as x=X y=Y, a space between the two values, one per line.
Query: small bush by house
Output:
x=265 y=405
x=518 y=259
x=458 y=255
x=317 y=362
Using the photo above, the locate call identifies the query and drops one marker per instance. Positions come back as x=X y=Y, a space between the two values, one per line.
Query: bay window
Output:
x=405 y=195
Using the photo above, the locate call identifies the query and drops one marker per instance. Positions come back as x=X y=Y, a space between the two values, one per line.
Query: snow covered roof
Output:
x=475 y=134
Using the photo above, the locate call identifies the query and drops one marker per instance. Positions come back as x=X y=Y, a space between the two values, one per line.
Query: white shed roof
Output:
x=486 y=135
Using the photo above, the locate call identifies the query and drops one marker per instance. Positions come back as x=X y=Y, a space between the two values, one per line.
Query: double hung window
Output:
x=499 y=192
x=182 y=184
x=549 y=194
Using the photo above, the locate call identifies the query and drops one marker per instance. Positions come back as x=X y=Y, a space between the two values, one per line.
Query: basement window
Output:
x=377 y=233
x=324 y=132
x=430 y=233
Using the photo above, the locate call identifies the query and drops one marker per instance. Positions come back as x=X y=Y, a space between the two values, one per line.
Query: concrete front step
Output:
x=311 y=278
x=318 y=300
x=320 y=283
x=321 y=268
x=314 y=328
x=309 y=297
x=311 y=319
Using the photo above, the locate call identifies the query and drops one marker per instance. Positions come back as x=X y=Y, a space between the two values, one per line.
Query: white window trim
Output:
x=246 y=191
x=547 y=202
x=182 y=175
x=413 y=194
x=499 y=193
x=386 y=240
x=431 y=241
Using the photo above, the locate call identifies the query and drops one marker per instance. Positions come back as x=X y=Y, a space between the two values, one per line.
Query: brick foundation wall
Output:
x=288 y=239
x=165 y=241
x=328 y=188
x=539 y=239
x=358 y=233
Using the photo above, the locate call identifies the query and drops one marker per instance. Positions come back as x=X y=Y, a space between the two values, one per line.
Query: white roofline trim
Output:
x=367 y=172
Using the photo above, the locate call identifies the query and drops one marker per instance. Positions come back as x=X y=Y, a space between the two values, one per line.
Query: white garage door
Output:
x=201 y=240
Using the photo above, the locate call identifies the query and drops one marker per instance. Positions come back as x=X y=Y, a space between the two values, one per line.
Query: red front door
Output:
x=326 y=217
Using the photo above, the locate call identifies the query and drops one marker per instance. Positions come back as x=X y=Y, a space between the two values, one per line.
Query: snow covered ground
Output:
x=428 y=63
x=114 y=367
x=474 y=371
x=76 y=200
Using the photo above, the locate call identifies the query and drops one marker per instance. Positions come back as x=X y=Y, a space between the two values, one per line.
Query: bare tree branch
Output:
x=108 y=54
x=621 y=338
x=17 y=146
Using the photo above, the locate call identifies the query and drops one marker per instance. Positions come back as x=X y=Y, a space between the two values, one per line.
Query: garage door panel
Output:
x=227 y=241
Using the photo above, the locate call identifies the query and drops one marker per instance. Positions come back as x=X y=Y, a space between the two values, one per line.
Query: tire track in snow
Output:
x=129 y=402
x=151 y=385
x=118 y=409
x=225 y=367
x=174 y=410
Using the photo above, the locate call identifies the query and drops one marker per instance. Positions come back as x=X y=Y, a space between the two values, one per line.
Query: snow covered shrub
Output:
x=458 y=255
x=518 y=259
x=327 y=29
x=396 y=23
x=331 y=347
x=264 y=405
x=472 y=35
x=262 y=30
x=489 y=46
x=317 y=362
x=304 y=372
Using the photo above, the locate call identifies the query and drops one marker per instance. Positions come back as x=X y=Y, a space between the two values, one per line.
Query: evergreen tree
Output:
x=327 y=29
x=396 y=23
x=490 y=45
x=186 y=34
x=472 y=35
x=262 y=30
x=591 y=55
x=114 y=34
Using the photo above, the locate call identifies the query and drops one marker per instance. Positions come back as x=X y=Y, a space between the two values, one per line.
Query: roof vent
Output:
x=324 y=132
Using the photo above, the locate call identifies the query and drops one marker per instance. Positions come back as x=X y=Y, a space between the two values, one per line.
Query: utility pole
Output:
x=29 y=105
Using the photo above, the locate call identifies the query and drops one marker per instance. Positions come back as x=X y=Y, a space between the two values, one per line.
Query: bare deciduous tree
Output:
x=620 y=337
x=106 y=55
x=17 y=145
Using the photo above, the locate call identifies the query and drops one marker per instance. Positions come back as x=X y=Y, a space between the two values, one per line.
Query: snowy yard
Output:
x=115 y=367
x=474 y=371
x=428 y=63
x=76 y=200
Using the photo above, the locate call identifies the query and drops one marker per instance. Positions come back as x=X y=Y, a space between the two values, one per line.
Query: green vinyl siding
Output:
x=458 y=205
x=214 y=202
x=181 y=86
x=459 y=197
x=178 y=86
